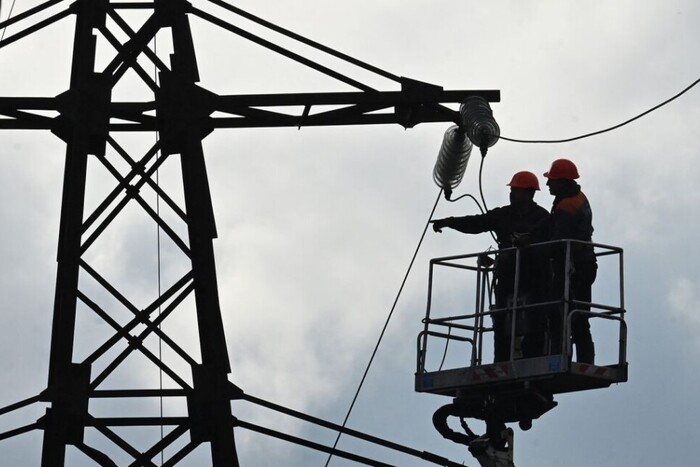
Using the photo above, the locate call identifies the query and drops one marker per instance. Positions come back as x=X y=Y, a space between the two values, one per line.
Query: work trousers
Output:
x=582 y=279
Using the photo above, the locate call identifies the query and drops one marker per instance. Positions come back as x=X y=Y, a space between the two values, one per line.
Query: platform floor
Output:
x=551 y=374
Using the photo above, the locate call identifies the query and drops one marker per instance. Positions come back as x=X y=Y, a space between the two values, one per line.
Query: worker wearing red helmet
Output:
x=571 y=218
x=521 y=216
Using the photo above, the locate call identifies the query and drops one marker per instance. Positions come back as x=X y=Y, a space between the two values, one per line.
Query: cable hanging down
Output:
x=386 y=324
x=606 y=130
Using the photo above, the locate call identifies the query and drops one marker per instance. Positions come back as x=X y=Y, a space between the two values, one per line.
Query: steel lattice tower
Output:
x=91 y=122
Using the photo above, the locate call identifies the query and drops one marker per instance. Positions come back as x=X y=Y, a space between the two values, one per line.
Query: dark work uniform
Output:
x=505 y=221
x=571 y=218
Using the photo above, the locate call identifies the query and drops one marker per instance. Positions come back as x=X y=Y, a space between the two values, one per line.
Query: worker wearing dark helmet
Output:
x=515 y=220
x=571 y=218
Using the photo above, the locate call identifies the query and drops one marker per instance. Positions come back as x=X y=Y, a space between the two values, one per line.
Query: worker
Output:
x=571 y=218
x=514 y=220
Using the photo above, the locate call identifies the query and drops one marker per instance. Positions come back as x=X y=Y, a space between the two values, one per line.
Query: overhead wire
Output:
x=481 y=192
x=9 y=16
x=37 y=26
x=305 y=40
x=280 y=50
x=575 y=138
x=384 y=328
x=606 y=130
x=481 y=185
x=483 y=209
x=426 y=456
x=468 y=195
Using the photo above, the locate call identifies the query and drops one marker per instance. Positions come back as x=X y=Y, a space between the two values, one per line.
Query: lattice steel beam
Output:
x=90 y=122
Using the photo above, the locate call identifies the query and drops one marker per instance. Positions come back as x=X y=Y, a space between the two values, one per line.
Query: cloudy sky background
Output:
x=317 y=226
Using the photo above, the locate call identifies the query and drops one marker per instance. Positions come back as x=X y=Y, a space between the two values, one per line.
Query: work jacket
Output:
x=571 y=218
x=504 y=222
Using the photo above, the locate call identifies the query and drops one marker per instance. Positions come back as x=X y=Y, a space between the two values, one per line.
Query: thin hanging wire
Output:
x=614 y=127
x=160 y=339
x=447 y=343
x=158 y=247
x=9 y=15
x=481 y=192
x=468 y=195
x=386 y=324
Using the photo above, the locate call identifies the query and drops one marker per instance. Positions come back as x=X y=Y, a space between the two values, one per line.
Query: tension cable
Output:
x=386 y=324
x=615 y=127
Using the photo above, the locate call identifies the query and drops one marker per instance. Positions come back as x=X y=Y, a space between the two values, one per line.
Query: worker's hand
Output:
x=439 y=224
x=521 y=239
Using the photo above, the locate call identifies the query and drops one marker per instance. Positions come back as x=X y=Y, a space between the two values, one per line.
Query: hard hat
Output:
x=562 y=169
x=524 y=179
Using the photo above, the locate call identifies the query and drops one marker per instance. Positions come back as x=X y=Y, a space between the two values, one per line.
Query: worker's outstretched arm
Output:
x=468 y=224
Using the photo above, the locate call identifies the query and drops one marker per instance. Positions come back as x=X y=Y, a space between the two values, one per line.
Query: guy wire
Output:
x=386 y=324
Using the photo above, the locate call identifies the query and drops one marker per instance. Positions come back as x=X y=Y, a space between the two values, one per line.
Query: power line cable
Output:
x=481 y=185
x=426 y=456
x=481 y=192
x=483 y=209
x=9 y=15
x=615 y=127
x=304 y=40
x=386 y=324
x=279 y=49
x=468 y=195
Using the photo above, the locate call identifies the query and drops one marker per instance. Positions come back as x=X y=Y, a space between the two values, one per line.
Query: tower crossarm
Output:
x=262 y=110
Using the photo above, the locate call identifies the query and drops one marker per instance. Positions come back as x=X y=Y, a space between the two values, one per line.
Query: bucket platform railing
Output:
x=527 y=290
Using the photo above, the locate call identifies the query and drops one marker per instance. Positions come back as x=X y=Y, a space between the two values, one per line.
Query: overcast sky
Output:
x=316 y=226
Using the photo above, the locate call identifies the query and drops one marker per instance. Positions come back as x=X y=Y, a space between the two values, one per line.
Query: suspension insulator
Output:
x=452 y=159
x=478 y=121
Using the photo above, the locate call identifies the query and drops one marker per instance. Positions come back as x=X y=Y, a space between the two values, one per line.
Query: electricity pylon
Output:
x=92 y=123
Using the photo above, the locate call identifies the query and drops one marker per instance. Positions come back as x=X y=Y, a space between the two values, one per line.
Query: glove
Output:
x=439 y=224
x=521 y=239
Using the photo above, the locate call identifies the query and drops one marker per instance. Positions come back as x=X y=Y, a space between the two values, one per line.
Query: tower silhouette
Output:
x=95 y=128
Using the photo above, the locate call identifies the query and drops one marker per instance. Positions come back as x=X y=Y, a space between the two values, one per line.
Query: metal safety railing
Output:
x=528 y=290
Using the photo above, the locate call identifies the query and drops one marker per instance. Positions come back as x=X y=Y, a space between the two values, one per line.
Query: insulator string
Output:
x=452 y=159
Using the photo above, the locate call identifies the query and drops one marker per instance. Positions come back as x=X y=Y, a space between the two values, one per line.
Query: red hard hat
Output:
x=525 y=179
x=562 y=169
